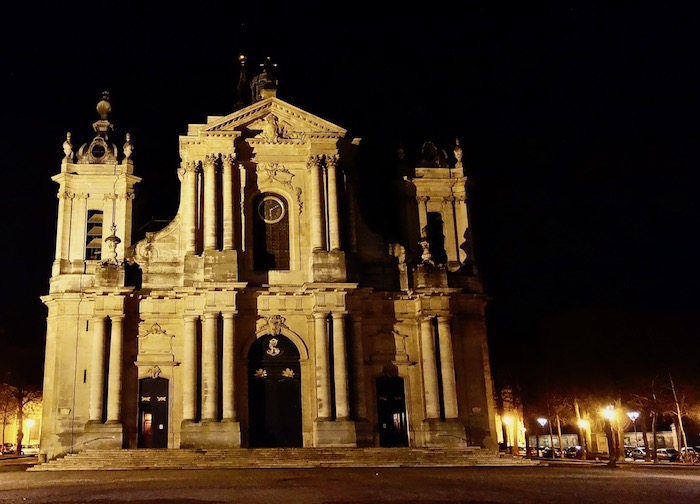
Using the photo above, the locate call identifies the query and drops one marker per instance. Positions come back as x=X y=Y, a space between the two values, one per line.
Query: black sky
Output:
x=579 y=124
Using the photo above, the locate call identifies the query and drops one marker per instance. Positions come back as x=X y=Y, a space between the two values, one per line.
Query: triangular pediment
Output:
x=271 y=120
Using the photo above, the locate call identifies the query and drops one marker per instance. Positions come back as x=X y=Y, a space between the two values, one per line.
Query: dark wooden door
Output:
x=274 y=393
x=153 y=413
x=391 y=412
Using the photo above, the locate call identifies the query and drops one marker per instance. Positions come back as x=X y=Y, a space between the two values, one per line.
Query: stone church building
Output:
x=266 y=313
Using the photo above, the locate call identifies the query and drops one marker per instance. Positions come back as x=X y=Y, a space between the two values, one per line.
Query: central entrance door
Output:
x=274 y=393
x=153 y=413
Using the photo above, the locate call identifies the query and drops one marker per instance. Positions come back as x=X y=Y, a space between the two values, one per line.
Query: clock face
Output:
x=271 y=209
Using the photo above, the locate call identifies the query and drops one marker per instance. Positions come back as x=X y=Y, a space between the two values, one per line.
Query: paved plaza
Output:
x=476 y=485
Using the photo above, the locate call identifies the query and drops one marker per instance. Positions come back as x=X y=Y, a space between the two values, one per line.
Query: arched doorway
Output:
x=274 y=393
x=391 y=412
x=153 y=413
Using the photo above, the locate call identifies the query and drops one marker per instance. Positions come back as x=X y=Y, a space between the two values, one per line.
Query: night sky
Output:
x=579 y=125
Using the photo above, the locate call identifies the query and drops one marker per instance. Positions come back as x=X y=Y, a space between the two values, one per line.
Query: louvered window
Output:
x=93 y=240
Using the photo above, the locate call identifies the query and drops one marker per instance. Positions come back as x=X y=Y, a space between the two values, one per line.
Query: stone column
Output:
x=340 y=367
x=227 y=363
x=359 y=406
x=189 y=382
x=462 y=218
x=60 y=223
x=447 y=369
x=429 y=365
x=209 y=368
x=422 y=210
x=450 y=230
x=323 y=398
x=209 y=167
x=333 y=229
x=316 y=211
x=227 y=190
x=114 y=387
x=97 y=375
x=190 y=206
x=76 y=247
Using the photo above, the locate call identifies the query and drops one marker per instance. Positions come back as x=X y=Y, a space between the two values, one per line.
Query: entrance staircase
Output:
x=247 y=458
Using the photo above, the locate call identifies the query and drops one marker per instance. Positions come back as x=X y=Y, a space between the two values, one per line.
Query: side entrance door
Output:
x=391 y=412
x=153 y=413
x=274 y=393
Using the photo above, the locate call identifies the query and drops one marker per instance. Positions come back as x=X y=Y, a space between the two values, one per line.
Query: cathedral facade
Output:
x=266 y=313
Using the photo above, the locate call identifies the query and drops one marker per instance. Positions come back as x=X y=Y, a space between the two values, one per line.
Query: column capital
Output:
x=228 y=160
x=210 y=161
x=314 y=161
x=320 y=315
x=332 y=160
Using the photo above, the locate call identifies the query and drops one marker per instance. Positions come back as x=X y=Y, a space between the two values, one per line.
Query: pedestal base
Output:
x=101 y=436
x=335 y=433
x=436 y=433
x=210 y=435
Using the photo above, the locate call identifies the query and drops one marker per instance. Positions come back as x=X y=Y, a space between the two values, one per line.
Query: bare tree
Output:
x=8 y=408
x=23 y=399
x=679 y=407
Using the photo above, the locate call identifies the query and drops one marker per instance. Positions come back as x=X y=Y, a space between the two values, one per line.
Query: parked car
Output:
x=32 y=449
x=8 y=448
x=573 y=452
x=670 y=454
x=638 y=454
x=689 y=454
x=548 y=453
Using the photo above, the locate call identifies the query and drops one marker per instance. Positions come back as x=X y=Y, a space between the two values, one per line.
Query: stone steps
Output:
x=277 y=458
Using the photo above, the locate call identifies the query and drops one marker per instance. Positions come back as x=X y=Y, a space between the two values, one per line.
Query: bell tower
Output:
x=95 y=197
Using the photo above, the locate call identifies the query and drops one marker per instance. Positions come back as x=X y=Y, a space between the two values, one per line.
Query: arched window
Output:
x=270 y=233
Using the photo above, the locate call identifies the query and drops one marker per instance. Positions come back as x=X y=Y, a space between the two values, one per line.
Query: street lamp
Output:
x=29 y=423
x=542 y=421
x=633 y=416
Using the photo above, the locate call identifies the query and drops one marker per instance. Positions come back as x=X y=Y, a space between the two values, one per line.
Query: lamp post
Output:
x=633 y=416
x=542 y=421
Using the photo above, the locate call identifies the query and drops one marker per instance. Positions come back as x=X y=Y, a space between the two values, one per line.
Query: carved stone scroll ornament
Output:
x=269 y=172
x=156 y=341
x=273 y=324
x=154 y=372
